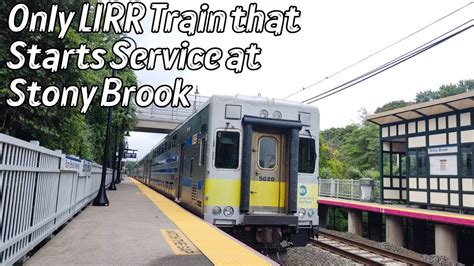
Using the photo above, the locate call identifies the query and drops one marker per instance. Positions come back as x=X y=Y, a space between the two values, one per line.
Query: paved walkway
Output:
x=128 y=232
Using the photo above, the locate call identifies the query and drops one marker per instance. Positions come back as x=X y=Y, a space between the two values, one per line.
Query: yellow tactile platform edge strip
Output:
x=218 y=247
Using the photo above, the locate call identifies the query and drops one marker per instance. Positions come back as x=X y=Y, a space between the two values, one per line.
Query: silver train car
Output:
x=248 y=165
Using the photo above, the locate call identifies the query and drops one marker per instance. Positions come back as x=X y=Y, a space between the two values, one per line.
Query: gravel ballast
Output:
x=311 y=255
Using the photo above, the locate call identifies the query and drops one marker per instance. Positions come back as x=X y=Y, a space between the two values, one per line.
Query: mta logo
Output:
x=303 y=190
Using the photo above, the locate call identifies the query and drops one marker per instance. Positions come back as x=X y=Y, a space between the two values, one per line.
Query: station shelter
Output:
x=426 y=153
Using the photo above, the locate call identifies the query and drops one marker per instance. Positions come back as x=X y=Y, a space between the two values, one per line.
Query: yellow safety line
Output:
x=218 y=247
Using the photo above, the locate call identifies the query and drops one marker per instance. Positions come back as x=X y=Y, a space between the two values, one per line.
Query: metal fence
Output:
x=40 y=190
x=350 y=189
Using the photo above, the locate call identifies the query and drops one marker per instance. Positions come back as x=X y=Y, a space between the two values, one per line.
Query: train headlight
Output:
x=277 y=115
x=216 y=210
x=310 y=213
x=264 y=113
x=301 y=213
x=228 y=211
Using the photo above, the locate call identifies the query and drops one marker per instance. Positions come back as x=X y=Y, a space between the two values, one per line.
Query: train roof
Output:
x=256 y=100
x=259 y=100
x=253 y=100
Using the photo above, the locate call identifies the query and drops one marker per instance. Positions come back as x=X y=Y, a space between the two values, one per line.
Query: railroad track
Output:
x=361 y=253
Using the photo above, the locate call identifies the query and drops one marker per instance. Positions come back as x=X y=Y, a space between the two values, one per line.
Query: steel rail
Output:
x=382 y=252
x=344 y=253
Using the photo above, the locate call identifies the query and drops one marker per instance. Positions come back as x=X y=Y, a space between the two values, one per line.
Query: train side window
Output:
x=227 y=150
x=307 y=155
x=191 y=167
x=202 y=151
x=202 y=145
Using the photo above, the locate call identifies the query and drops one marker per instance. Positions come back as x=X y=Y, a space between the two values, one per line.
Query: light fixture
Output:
x=216 y=210
x=228 y=211
x=277 y=115
x=301 y=213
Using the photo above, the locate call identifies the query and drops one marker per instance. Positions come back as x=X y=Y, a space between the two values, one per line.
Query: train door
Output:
x=180 y=172
x=268 y=173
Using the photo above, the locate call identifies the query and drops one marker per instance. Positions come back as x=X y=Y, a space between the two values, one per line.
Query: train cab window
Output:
x=307 y=155
x=227 y=149
x=267 y=153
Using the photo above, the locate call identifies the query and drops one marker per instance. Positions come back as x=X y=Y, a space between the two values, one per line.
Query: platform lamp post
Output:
x=118 y=179
x=101 y=198
x=114 y=160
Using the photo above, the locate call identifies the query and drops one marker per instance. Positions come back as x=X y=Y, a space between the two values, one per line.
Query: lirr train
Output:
x=248 y=165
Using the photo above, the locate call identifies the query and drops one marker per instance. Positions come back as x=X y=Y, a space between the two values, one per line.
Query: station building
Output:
x=427 y=180
x=426 y=154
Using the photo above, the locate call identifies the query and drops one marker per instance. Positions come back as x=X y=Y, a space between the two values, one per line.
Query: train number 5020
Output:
x=266 y=178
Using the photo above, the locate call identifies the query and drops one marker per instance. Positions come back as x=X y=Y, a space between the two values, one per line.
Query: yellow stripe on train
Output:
x=226 y=192
x=267 y=194
x=222 y=192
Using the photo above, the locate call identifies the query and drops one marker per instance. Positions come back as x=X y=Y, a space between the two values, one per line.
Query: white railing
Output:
x=40 y=190
x=350 y=189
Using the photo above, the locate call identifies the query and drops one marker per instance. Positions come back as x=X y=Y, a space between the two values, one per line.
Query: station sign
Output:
x=71 y=164
x=129 y=155
x=86 y=168
x=441 y=150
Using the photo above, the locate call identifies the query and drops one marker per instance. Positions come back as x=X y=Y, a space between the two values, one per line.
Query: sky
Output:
x=334 y=34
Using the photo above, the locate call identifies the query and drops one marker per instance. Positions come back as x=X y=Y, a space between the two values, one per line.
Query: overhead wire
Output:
x=414 y=52
x=391 y=61
x=379 y=51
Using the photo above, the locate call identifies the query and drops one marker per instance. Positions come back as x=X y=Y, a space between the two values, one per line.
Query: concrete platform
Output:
x=142 y=227
x=402 y=211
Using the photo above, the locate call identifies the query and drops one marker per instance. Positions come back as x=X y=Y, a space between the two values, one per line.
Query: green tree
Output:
x=330 y=163
x=337 y=167
x=392 y=105
x=62 y=128
x=445 y=91
x=324 y=151
x=361 y=147
x=334 y=137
